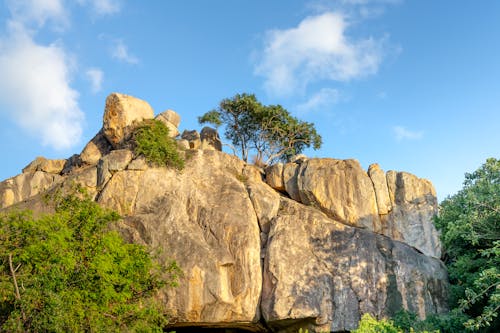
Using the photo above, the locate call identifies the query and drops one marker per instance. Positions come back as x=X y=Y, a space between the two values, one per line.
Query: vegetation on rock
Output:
x=68 y=272
x=270 y=131
x=369 y=324
x=151 y=139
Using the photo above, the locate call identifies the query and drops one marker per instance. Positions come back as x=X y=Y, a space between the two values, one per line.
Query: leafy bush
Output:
x=405 y=322
x=451 y=322
x=151 y=140
x=369 y=324
x=67 y=272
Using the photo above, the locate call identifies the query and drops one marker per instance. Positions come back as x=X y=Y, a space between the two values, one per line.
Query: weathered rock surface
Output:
x=398 y=205
x=274 y=176
x=45 y=165
x=338 y=272
x=379 y=181
x=193 y=137
x=341 y=189
x=24 y=186
x=414 y=207
x=205 y=220
x=120 y=115
x=166 y=118
x=171 y=116
x=95 y=149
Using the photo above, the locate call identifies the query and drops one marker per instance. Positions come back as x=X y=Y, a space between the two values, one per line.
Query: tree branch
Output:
x=13 y=273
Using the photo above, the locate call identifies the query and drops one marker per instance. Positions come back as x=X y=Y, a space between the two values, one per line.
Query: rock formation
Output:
x=313 y=243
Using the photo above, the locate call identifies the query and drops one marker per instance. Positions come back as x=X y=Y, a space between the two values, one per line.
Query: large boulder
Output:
x=323 y=275
x=122 y=112
x=210 y=139
x=171 y=116
x=341 y=189
x=170 y=119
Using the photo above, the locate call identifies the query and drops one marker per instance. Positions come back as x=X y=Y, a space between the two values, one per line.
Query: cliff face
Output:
x=313 y=243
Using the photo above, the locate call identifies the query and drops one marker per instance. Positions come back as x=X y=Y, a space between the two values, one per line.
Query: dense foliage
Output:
x=151 y=139
x=68 y=272
x=270 y=131
x=470 y=227
x=451 y=322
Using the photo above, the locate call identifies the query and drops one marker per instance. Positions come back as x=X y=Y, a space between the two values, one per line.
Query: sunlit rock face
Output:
x=395 y=204
x=314 y=243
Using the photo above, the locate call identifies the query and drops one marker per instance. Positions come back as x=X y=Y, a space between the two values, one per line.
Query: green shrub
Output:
x=451 y=322
x=68 y=272
x=151 y=140
x=369 y=324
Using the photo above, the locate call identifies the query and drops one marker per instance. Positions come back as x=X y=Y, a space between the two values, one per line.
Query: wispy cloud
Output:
x=318 y=48
x=324 y=98
x=35 y=87
x=39 y=12
x=95 y=76
x=103 y=7
x=402 y=133
x=120 y=52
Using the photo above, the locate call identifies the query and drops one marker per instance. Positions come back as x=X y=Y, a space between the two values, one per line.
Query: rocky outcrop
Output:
x=120 y=115
x=398 y=205
x=314 y=243
x=45 y=165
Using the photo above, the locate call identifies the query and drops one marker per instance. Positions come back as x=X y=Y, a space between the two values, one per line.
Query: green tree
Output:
x=68 y=272
x=469 y=222
x=270 y=131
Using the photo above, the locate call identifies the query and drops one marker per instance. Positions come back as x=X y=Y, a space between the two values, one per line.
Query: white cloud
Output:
x=322 y=99
x=402 y=133
x=120 y=52
x=103 y=7
x=317 y=49
x=38 y=12
x=35 y=89
x=95 y=76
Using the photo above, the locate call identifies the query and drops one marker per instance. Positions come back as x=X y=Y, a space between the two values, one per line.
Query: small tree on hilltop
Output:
x=271 y=131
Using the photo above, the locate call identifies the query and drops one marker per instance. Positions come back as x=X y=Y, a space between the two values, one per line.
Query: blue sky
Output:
x=411 y=85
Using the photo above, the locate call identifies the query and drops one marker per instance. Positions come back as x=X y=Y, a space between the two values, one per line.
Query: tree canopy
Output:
x=268 y=130
x=470 y=228
x=68 y=272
